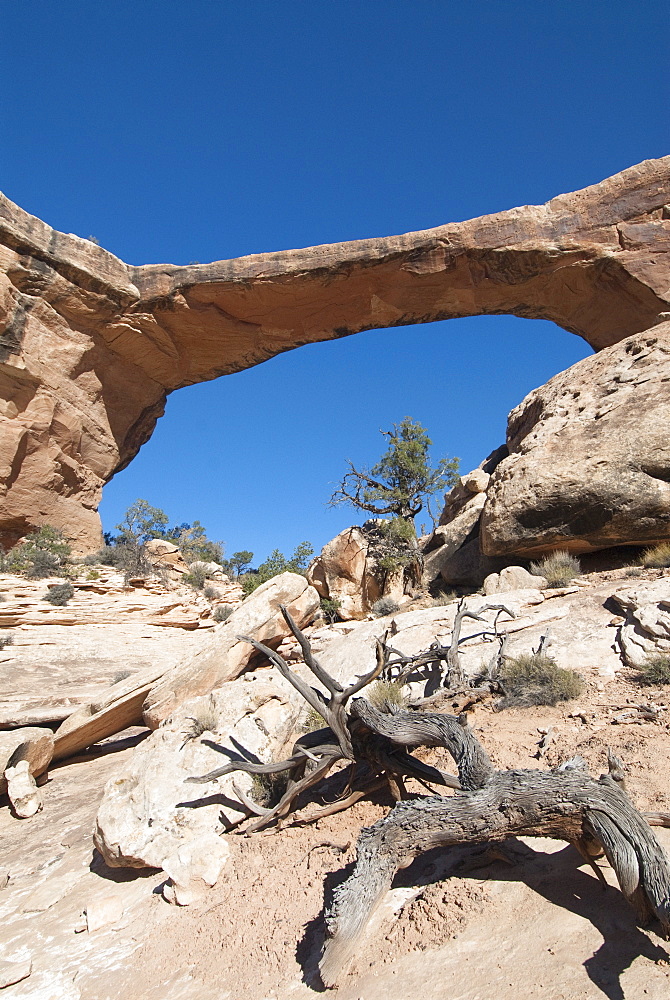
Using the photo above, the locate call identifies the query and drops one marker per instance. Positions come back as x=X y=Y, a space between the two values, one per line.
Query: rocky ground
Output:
x=528 y=921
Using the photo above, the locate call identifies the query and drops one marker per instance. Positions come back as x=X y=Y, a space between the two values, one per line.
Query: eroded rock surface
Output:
x=90 y=346
x=589 y=457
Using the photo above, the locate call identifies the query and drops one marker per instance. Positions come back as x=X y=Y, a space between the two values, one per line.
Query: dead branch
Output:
x=566 y=803
x=376 y=745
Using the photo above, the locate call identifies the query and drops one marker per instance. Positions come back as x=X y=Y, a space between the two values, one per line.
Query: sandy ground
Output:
x=468 y=924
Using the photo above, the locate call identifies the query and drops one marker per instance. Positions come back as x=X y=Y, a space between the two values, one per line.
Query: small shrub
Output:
x=93 y=574
x=384 y=606
x=536 y=679
x=386 y=695
x=41 y=554
x=196 y=578
x=121 y=675
x=330 y=607
x=59 y=594
x=222 y=612
x=6 y=640
x=312 y=721
x=656 y=669
x=205 y=720
x=558 y=568
x=211 y=593
x=657 y=557
x=267 y=789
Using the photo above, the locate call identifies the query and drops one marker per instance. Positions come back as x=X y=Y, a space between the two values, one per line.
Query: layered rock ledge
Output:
x=90 y=346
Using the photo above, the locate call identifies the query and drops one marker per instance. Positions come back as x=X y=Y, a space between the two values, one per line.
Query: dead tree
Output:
x=375 y=745
x=566 y=803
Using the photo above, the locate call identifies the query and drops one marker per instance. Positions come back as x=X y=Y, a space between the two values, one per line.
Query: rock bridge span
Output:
x=90 y=346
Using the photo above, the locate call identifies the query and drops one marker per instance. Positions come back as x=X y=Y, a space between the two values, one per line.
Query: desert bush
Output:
x=59 y=594
x=386 y=695
x=536 y=679
x=93 y=574
x=222 y=612
x=384 y=606
x=42 y=554
x=558 y=568
x=6 y=640
x=196 y=578
x=330 y=606
x=211 y=593
x=312 y=721
x=121 y=675
x=267 y=789
x=656 y=669
x=656 y=557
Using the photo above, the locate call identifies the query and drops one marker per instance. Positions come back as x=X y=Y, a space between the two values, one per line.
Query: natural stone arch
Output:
x=92 y=346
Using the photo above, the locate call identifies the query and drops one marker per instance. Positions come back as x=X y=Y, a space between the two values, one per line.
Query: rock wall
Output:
x=90 y=347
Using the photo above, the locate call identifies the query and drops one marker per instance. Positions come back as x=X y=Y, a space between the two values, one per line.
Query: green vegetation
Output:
x=43 y=553
x=196 y=578
x=536 y=679
x=330 y=607
x=222 y=612
x=656 y=669
x=59 y=594
x=238 y=563
x=402 y=480
x=657 y=557
x=558 y=568
x=277 y=563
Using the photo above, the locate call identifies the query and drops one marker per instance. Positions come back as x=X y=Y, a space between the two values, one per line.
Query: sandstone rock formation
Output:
x=91 y=346
x=348 y=571
x=589 y=457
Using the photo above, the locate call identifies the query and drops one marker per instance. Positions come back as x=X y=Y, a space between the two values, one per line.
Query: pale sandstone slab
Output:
x=225 y=656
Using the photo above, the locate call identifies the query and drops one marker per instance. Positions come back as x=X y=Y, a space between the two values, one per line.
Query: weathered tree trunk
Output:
x=565 y=803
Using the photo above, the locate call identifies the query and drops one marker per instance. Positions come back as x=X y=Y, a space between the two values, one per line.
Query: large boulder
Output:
x=589 y=456
x=338 y=573
x=646 y=630
x=223 y=656
x=92 y=346
x=352 y=569
x=148 y=812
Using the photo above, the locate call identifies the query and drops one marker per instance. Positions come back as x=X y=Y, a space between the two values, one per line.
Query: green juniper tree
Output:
x=403 y=479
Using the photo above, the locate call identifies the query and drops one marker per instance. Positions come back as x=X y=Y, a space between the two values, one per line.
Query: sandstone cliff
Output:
x=90 y=347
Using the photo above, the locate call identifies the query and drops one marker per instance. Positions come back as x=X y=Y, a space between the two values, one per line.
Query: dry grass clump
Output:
x=558 y=568
x=384 y=606
x=267 y=789
x=205 y=720
x=59 y=594
x=536 y=679
x=444 y=597
x=222 y=612
x=386 y=695
x=656 y=669
x=656 y=557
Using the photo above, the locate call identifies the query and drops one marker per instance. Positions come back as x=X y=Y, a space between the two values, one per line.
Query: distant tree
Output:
x=277 y=563
x=403 y=480
x=140 y=523
x=238 y=563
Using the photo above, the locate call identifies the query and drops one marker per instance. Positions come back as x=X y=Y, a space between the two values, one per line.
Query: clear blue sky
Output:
x=203 y=130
